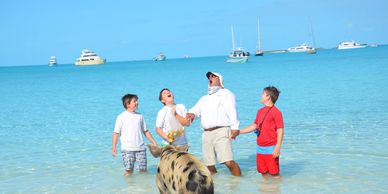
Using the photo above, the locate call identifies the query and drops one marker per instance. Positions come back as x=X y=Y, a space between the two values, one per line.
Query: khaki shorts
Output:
x=216 y=143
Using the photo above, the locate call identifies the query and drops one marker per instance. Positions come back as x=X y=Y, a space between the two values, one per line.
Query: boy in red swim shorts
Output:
x=268 y=126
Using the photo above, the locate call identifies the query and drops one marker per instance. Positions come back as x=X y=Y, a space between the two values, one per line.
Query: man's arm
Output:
x=195 y=110
x=230 y=106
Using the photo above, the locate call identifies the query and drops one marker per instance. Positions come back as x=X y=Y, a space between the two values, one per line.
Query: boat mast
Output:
x=312 y=33
x=259 y=34
x=233 y=46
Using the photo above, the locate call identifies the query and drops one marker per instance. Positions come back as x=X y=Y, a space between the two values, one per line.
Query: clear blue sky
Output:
x=121 y=30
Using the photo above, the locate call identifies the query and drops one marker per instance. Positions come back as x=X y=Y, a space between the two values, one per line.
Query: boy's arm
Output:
x=115 y=137
x=182 y=120
x=276 y=152
x=160 y=132
x=248 y=129
x=149 y=137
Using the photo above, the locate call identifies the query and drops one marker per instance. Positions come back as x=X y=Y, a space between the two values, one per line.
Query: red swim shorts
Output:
x=265 y=163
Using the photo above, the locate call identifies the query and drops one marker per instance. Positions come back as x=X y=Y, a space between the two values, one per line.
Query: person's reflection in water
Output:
x=270 y=185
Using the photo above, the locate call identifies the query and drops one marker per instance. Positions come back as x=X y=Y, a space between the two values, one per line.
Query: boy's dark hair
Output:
x=127 y=98
x=273 y=93
x=160 y=95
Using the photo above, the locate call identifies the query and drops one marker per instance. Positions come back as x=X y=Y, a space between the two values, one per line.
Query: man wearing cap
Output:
x=218 y=115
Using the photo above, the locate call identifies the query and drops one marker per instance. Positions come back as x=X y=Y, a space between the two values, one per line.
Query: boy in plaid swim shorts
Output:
x=130 y=157
x=130 y=125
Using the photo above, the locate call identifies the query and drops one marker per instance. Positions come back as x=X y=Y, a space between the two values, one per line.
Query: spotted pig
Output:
x=180 y=172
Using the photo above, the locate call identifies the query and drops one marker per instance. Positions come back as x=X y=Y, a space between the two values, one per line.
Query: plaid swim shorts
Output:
x=130 y=157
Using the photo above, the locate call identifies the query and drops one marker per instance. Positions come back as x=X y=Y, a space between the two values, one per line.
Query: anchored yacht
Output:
x=89 y=57
x=52 y=61
x=350 y=45
x=301 y=48
x=160 y=57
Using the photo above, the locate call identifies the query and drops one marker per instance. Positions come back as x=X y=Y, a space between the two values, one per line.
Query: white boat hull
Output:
x=237 y=60
x=350 y=47
x=301 y=48
x=91 y=62
x=259 y=53
x=159 y=59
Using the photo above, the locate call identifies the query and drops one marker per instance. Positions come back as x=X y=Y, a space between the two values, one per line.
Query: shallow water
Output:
x=56 y=123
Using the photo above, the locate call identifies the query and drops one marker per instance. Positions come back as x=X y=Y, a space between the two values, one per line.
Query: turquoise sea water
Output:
x=56 y=123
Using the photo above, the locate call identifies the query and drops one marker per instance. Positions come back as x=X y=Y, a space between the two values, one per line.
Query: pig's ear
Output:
x=182 y=148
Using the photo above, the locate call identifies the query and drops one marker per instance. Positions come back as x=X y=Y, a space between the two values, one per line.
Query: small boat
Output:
x=350 y=45
x=301 y=48
x=160 y=57
x=89 y=57
x=52 y=61
x=258 y=51
x=238 y=54
x=305 y=47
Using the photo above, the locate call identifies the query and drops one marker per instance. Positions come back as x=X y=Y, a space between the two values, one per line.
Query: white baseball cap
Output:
x=208 y=74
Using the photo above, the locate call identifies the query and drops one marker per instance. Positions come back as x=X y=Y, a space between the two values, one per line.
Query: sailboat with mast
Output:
x=238 y=54
x=258 y=51
x=305 y=47
x=312 y=50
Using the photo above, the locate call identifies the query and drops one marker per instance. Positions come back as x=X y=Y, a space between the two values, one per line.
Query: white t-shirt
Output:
x=218 y=109
x=131 y=127
x=167 y=121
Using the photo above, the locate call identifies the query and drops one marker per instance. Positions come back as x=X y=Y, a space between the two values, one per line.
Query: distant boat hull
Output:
x=312 y=51
x=237 y=60
x=259 y=53
x=91 y=62
x=302 y=48
x=350 y=47
x=159 y=59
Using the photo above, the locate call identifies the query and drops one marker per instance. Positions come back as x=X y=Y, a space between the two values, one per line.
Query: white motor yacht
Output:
x=52 y=61
x=350 y=45
x=89 y=57
x=301 y=48
x=160 y=57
